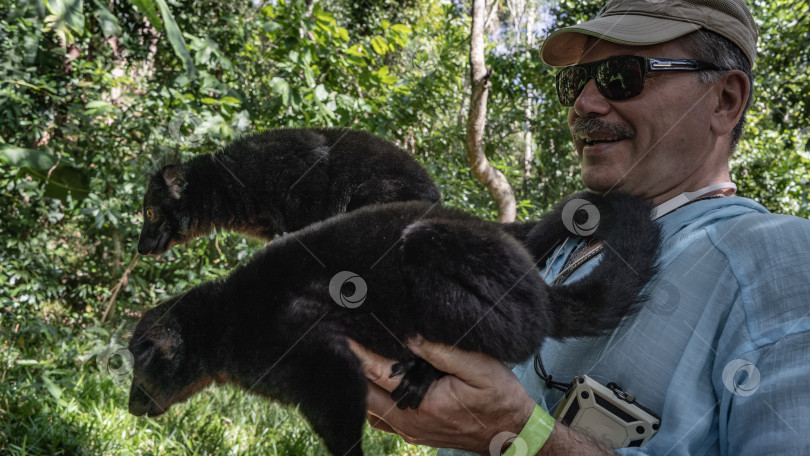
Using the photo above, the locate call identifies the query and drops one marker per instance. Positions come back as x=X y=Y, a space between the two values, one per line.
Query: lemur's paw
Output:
x=417 y=378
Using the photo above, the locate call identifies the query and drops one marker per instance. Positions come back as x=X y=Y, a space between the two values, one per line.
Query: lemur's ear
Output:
x=174 y=179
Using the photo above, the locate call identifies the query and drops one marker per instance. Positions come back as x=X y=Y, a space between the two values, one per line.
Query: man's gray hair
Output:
x=713 y=48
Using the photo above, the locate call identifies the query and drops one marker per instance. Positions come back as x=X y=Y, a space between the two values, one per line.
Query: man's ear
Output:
x=174 y=179
x=733 y=88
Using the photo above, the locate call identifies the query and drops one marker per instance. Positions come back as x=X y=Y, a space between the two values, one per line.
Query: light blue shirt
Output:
x=721 y=351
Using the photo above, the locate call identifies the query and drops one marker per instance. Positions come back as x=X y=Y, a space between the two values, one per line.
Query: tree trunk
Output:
x=492 y=179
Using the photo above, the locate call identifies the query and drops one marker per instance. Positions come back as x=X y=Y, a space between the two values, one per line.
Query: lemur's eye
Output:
x=150 y=213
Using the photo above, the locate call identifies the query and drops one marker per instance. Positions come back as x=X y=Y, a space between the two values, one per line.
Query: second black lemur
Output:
x=277 y=181
x=278 y=325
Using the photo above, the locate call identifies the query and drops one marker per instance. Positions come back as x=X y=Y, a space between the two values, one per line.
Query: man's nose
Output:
x=590 y=101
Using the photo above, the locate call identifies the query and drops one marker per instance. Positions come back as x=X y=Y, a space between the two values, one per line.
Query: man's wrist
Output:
x=533 y=435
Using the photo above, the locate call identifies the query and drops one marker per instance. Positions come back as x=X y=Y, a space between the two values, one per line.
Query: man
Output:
x=721 y=350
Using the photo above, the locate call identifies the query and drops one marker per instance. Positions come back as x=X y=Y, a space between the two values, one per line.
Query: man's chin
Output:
x=601 y=182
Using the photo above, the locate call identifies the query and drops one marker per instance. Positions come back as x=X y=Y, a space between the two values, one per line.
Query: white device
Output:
x=606 y=414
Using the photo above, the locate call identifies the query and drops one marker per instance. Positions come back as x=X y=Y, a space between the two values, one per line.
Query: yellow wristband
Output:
x=534 y=434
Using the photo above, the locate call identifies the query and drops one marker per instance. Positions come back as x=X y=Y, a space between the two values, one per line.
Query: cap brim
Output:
x=566 y=46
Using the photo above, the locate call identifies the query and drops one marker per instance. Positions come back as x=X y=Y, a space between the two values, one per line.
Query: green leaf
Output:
x=270 y=26
x=356 y=50
x=385 y=77
x=67 y=180
x=358 y=62
x=106 y=20
x=343 y=33
x=321 y=93
x=176 y=38
x=97 y=107
x=380 y=45
x=20 y=157
x=147 y=8
x=69 y=12
x=230 y=101
x=64 y=180
x=309 y=76
x=55 y=391
x=282 y=88
x=401 y=28
x=323 y=16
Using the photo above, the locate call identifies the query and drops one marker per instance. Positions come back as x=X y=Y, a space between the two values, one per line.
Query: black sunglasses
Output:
x=620 y=77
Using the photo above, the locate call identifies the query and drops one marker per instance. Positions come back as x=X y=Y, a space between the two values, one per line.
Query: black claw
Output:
x=399 y=369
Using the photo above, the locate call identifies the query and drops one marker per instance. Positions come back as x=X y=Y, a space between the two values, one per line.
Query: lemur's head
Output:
x=163 y=220
x=163 y=374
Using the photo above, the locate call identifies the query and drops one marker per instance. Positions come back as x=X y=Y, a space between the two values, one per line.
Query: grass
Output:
x=57 y=399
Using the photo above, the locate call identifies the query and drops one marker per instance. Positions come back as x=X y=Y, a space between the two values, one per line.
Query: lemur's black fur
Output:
x=277 y=181
x=273 y=328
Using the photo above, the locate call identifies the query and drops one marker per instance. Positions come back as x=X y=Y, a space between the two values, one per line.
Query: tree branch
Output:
x=481 y=169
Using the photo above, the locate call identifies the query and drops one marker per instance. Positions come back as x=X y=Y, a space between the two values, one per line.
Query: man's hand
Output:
x=479 y=399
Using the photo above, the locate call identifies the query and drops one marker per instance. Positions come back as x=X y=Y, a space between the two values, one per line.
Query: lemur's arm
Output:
x=541 y=237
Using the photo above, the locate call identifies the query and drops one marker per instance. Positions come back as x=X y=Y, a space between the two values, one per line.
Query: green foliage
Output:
x=772 y=164
x=95 y=95
x=64 y=395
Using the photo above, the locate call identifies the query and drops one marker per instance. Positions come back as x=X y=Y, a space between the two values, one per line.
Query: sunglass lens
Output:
x=619 y=79
x=570 y=82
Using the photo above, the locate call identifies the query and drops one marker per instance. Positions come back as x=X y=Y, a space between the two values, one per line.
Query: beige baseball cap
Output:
x=645 y=22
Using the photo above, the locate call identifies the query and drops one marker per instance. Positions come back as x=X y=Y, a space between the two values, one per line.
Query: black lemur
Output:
x=277 y=181
x=274 y=329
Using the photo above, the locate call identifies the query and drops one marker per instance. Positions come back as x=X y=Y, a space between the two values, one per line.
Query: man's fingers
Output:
x=470 y=367
x=380 y=405
x=378 y=423
x=375 y=367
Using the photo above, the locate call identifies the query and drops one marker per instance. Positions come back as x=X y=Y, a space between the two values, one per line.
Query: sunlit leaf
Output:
x=107 y=20
x=20 y=157
x=148 y=9
x=379 y=45
x=176 y=38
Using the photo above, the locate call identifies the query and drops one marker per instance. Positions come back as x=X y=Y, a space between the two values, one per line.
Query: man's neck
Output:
x=720 y=177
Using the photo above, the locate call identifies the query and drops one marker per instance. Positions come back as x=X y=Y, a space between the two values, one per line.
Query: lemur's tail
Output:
x=630 y=243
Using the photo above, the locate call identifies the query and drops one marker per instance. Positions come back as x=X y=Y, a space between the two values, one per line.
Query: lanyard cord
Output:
x=687 y=197
x=550 y=383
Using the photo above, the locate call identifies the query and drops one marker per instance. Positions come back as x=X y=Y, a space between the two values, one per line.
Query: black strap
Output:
x=550 y=383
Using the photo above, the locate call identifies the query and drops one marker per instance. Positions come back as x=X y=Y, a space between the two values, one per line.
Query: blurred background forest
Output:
x=97 y=94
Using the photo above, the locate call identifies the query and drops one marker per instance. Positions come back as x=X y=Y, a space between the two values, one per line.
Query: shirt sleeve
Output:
x=762 y=370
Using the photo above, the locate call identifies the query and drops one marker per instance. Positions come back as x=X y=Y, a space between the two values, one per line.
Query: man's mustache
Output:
x=587 y=126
